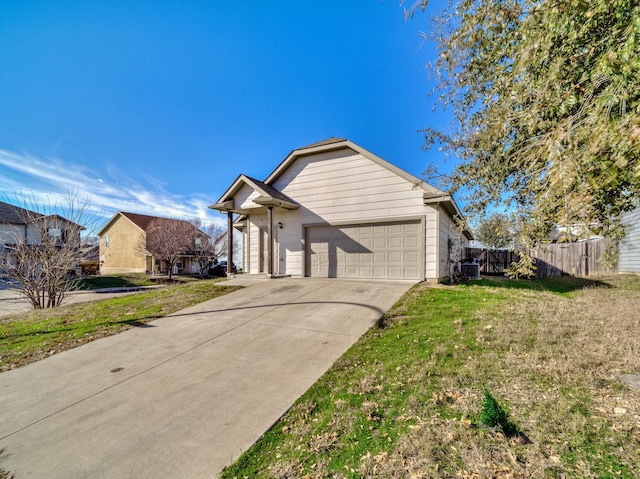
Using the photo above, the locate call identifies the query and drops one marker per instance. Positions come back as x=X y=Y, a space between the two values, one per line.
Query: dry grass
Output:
x=554 y=361
x=405 y=401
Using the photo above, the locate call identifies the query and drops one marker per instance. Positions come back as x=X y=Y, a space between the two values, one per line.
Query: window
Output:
x=198 y=244
x=55 y=234
x=106 y=241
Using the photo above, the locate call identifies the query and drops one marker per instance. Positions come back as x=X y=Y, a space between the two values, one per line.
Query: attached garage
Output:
x=335 y=210
x=378 y=250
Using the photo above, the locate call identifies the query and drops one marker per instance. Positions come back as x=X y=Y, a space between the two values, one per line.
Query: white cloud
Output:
x=50 y=180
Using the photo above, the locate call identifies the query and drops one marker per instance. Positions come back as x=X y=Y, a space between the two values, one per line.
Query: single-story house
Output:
x=629 y=249
x=333 y=209
x=123 y=242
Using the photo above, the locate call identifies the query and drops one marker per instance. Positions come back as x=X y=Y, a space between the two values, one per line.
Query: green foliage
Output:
x=525 y=267
x=546 y=97
x=495 y=231
x=494 y=415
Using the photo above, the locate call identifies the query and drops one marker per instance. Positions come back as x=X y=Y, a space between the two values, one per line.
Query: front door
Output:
x=263 y=249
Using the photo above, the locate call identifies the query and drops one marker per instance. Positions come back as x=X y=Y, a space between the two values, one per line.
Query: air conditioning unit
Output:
x=471 y=270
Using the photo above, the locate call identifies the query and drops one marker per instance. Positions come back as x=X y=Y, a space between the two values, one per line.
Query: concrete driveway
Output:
x=185 y=395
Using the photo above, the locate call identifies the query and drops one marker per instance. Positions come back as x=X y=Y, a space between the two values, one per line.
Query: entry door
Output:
x=263 y=250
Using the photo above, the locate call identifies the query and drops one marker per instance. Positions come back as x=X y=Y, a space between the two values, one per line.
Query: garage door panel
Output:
x=383 y=250
x=396 y=272
x=411 y=257
x=396 y=243
x=411 y=242
x=411 y=271
x=396 y=257
x=413 y=228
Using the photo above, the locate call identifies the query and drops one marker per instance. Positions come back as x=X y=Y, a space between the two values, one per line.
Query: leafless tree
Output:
x=207 y=243
x=41 y=246
x=168 y=240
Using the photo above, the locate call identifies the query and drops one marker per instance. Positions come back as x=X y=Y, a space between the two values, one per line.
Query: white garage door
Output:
x=381 y=250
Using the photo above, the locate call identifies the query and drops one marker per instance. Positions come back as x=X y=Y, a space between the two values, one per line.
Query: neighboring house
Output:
x=20 y=225
x=122 y=242
x=629 y=249
x=333 y=209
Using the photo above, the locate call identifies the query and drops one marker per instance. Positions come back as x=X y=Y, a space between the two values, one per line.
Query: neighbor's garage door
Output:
x=381 y=250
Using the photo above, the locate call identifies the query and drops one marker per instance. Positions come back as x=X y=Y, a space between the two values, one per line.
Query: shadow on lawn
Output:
x=557 y=285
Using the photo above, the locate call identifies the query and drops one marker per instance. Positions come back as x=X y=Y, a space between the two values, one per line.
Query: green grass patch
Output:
x=562 y=285
x=113 y=281
x=408 y=399
x=28 y=337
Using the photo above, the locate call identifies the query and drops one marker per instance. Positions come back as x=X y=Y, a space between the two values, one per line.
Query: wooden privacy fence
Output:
x=584 y=258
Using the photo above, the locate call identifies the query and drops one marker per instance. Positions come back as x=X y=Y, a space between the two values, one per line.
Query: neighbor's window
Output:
x=106 y=241
x=55 y=234
x=198 y=243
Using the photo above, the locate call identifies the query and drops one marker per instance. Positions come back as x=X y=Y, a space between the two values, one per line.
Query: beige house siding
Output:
x=121 y=256
x=450 y=236
x=245 y=197
x=333 y=197
x=342 y=187
x=431 y=244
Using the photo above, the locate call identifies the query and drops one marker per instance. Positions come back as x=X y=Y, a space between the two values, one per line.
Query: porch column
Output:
x=270 y=239
x=229 y=242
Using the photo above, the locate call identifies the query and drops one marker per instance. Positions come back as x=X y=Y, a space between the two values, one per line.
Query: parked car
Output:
x=220 y=269
x=6 y=282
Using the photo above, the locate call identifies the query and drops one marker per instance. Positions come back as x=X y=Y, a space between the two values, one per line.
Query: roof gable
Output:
x=144 y=222
x=267 y=195
x=331 y=144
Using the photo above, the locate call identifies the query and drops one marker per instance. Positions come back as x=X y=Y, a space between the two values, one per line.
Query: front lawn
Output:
x=113 y=281
x=407 y=400
x=29 y=337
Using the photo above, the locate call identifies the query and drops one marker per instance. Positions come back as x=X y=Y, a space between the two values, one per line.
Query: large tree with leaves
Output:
x=546 y=100
x=496 y=231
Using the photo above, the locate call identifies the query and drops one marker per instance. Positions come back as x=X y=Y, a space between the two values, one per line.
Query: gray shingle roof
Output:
x=13 y=214
x=328 y=141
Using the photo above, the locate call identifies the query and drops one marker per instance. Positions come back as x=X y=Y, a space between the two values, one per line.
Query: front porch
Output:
x=251 y=199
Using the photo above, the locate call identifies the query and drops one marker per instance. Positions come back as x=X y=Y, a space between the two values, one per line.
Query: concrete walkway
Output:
x=185 y=395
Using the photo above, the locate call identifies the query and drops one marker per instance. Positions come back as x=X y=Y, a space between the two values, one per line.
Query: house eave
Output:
x=447 y=202
x=274 y=202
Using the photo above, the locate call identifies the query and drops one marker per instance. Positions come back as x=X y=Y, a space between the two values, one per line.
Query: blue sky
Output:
x=156 y=107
